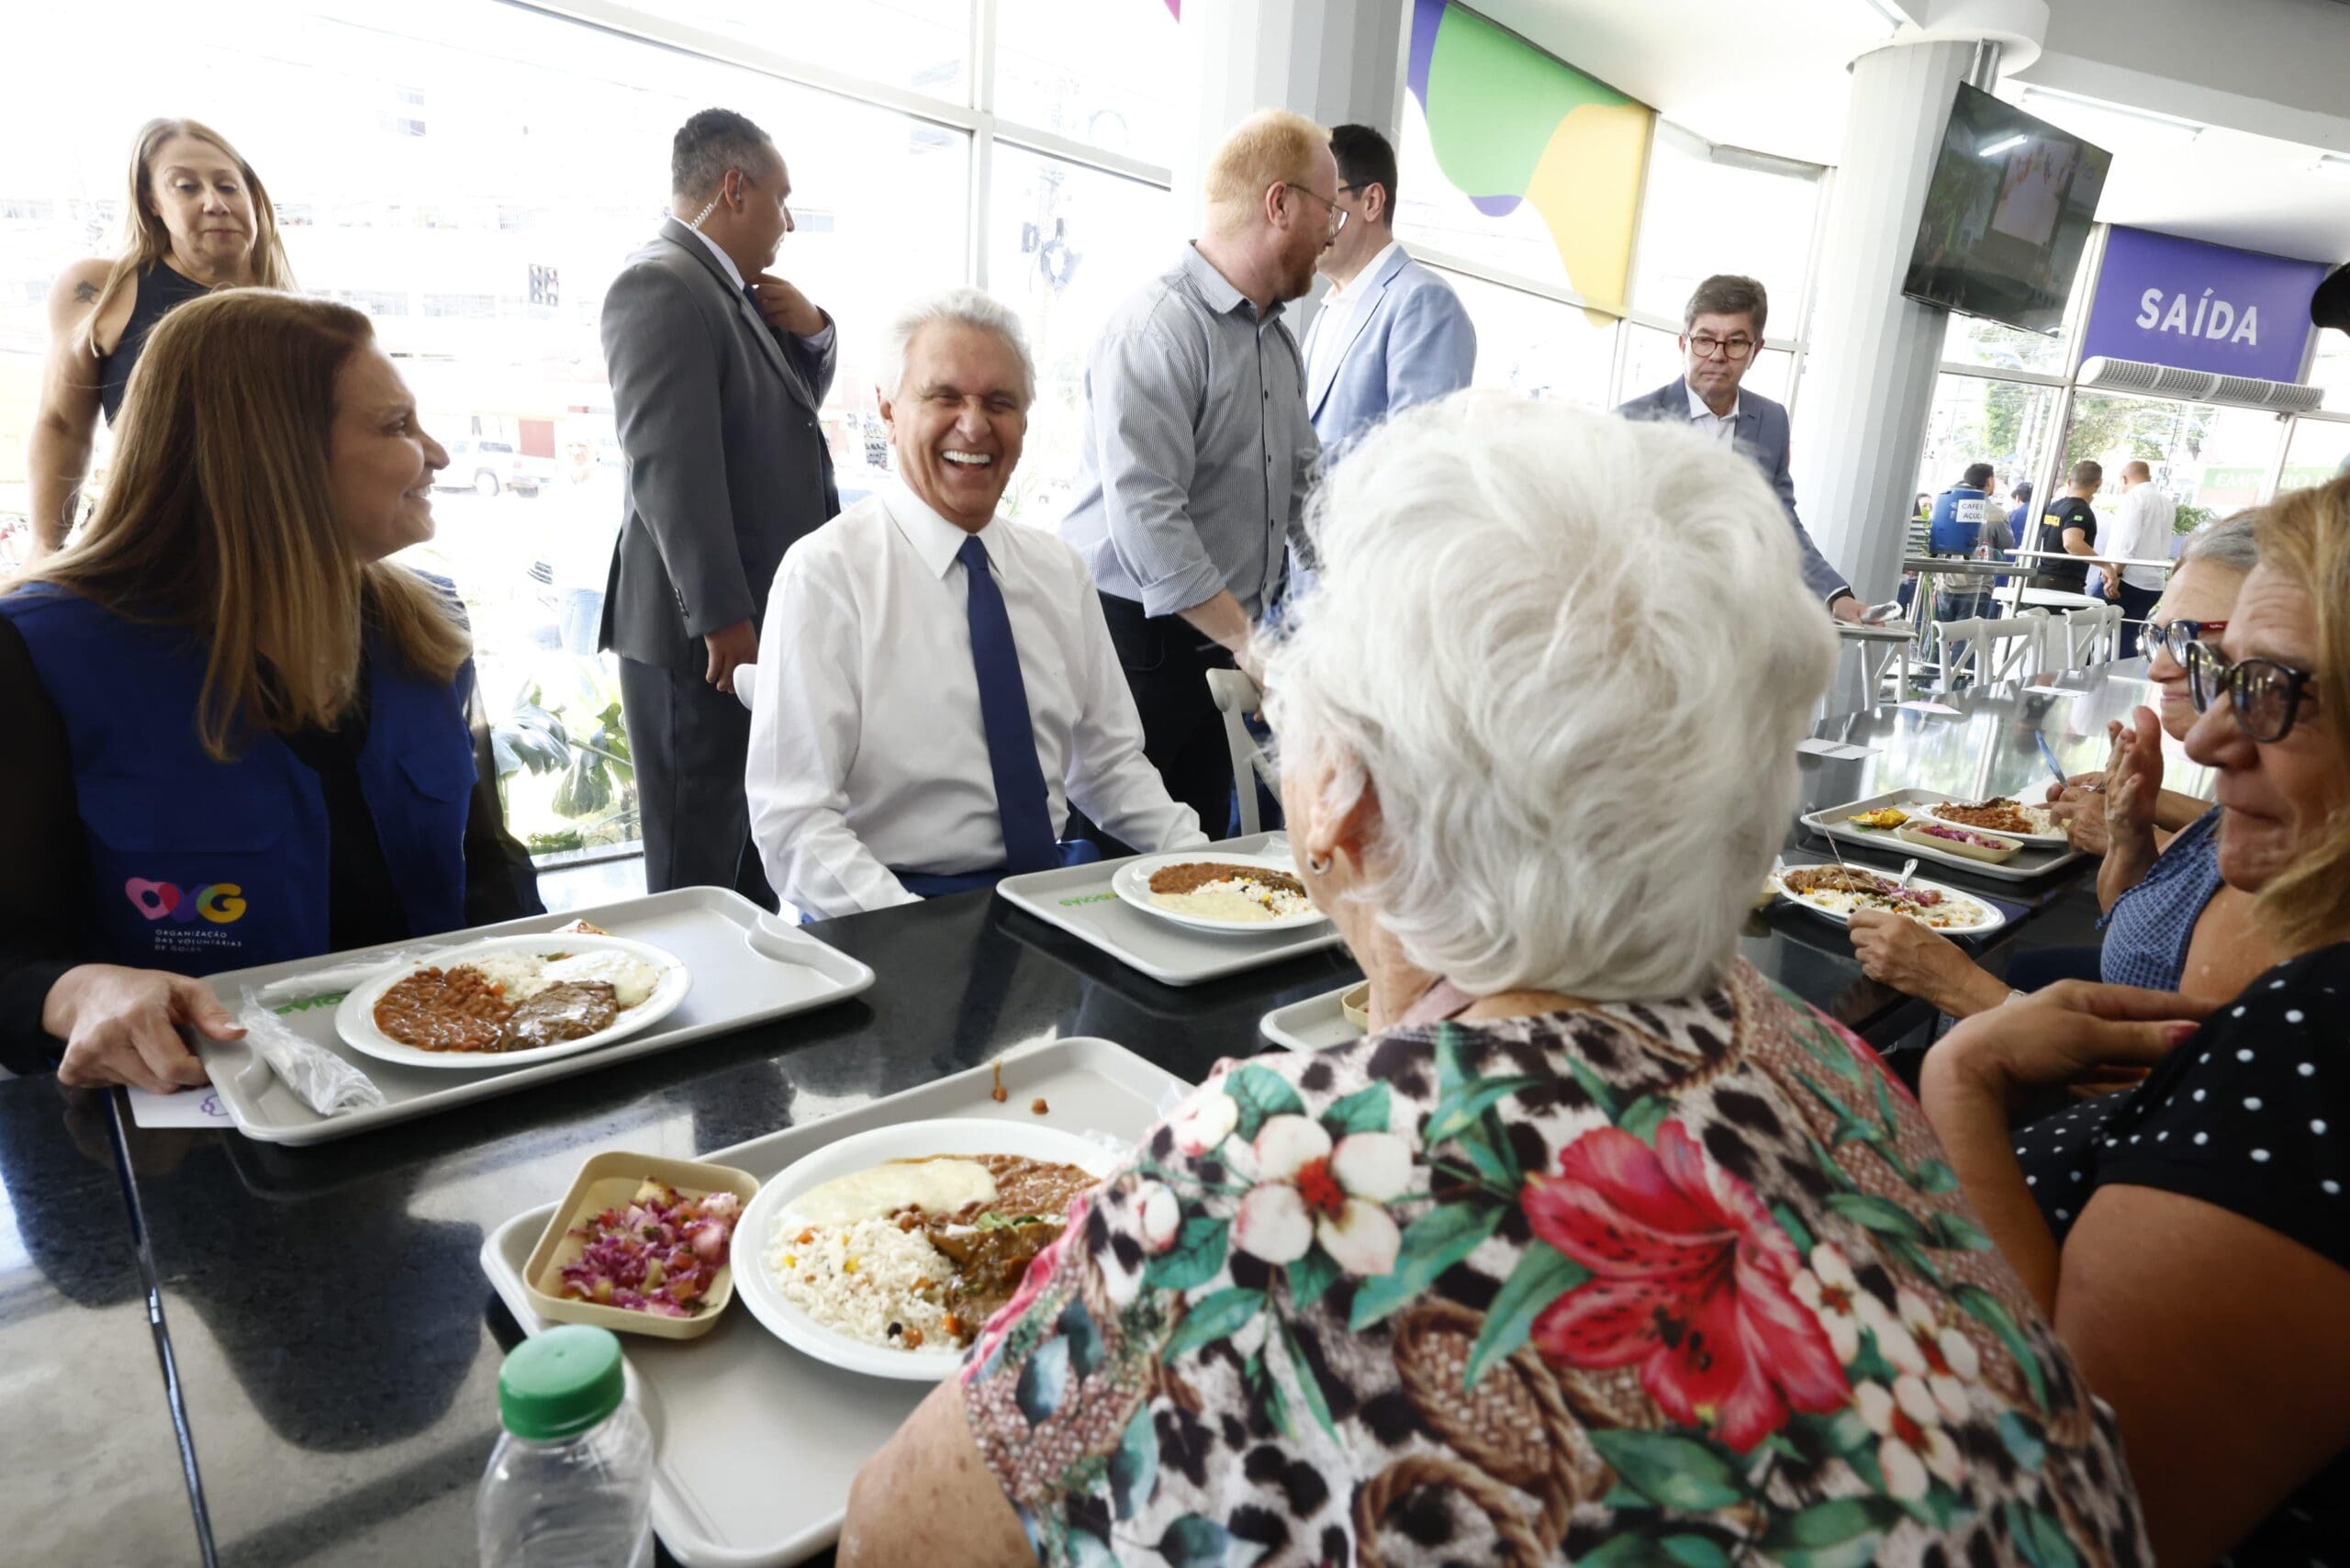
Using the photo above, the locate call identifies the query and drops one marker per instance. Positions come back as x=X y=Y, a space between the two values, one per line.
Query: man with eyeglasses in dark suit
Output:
x=1721 y=333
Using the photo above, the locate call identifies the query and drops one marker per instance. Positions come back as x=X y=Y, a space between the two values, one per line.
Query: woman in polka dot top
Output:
x=2191 y=1238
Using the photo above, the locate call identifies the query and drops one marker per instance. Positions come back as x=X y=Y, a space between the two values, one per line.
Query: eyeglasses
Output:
x=1704 y=345
x=2174 y=635
x=2266 y=695
x=1337 y=213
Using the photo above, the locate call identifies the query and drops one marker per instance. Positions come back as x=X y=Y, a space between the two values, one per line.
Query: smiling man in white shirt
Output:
x=915 y=730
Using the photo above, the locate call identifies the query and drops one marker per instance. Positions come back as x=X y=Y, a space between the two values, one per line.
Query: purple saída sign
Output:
x=2164 y=301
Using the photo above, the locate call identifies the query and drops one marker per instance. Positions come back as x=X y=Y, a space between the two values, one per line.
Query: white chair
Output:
x=2083 y=637
x=1237 y=696
x=1989 y=652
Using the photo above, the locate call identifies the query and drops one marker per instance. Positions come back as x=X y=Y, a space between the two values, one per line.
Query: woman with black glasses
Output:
x=2191 y=1237
x=2171 y=923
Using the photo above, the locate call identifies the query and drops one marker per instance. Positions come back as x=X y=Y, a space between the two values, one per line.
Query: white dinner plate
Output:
x=1132 y=884
x=908 y=1140
x=356 y=1019
x=2057 y=837
x=1992 y=919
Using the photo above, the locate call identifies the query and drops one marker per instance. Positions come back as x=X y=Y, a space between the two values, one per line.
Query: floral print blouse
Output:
x=1680 y=1282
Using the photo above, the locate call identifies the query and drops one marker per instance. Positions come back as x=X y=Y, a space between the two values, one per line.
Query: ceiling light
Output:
x=2005 y=145
x=2087 y=116
x=2333 y=163
x=1891 y=14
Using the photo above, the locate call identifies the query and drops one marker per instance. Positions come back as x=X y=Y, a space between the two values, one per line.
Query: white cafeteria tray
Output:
x=1077 y=899
x=2033 y=860
x=755 y=1444
x=1314 y=1025
x=745 y=971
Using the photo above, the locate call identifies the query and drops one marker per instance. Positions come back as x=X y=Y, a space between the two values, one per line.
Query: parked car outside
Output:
x=485 y=467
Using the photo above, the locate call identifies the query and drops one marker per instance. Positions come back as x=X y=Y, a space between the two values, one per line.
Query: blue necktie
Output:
x=1020 y=798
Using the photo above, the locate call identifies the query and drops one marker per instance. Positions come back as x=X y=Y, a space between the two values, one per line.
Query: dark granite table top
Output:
x=335 y=1343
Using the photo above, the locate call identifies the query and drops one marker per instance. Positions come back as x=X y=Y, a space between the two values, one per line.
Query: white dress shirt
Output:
x=1723 y=427
x=2143 y=534
x=819 y=341
x=867 y=750
x=1332 y=330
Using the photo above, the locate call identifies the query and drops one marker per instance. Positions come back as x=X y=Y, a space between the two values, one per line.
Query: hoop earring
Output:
x=1318 y=865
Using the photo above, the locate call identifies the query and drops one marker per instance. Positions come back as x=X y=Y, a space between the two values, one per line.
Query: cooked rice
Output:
x=859 y=1278
x=520 y=974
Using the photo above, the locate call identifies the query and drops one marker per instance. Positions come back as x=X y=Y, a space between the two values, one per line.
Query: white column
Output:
x=1868 y=376
x=1334 y=62
x=1869 y=367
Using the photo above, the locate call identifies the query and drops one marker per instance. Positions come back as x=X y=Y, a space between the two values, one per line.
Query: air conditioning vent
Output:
x=2200 y=386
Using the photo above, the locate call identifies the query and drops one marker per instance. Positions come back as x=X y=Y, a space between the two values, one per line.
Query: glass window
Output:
x=1651 y=358
x=923 y=46
x=2331 y=370
x=1094 y=70
x=1970 y=340
x=2211 y=461
x=2319 y=450
x=1974 y=420
x=484 y=247
x=1718 y=210
x=1534 y=344
x=1065 y=245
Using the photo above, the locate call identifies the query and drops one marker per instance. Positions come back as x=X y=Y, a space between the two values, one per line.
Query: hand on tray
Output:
x=121 y=1025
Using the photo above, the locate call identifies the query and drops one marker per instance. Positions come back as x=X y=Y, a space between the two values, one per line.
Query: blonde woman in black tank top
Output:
x=197 y=219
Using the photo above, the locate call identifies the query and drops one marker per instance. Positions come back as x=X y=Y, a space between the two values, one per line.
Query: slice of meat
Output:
x=1193 y=874
x=567 y=1010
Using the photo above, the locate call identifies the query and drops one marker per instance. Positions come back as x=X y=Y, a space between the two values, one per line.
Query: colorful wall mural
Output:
x=1511 y=124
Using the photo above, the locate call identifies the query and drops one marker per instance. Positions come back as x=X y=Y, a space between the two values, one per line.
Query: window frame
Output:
x=977 y=118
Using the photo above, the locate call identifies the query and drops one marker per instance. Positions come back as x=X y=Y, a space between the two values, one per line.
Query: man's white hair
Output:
x=960 y=306
x=1572 y=654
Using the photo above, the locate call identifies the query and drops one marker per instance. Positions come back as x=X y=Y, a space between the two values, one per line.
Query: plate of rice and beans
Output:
x=509 y=1000
x=2002 y=815
x=1835 y=891
x=1224 y=893
x=887 y=1252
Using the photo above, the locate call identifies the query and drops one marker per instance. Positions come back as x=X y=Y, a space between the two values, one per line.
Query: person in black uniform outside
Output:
x=199 y=220
x=2070 y=525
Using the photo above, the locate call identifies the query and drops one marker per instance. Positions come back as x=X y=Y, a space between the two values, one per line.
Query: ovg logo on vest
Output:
x=222 y=903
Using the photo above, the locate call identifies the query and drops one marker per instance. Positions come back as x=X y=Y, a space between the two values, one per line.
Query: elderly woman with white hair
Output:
x=1598 y=1249
x=937 y=685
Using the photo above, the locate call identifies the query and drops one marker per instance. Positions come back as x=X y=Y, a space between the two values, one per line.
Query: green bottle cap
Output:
x=561 y=1382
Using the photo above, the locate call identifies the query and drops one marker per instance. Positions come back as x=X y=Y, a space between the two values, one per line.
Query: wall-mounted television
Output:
x=2007 y=212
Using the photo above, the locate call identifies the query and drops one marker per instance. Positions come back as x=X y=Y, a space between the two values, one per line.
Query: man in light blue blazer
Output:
x=1390 y=332
x=1721 y=333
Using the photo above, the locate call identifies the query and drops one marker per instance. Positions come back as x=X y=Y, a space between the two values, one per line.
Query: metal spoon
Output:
x=1909 y=871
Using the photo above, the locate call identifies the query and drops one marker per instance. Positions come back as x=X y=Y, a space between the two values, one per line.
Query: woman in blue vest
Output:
x=238 y=734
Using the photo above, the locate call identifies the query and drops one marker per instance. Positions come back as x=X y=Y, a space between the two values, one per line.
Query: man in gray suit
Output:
x=718 y=368
x=1721 y=333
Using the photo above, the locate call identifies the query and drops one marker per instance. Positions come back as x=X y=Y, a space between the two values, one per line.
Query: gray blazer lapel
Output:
x=1749 y=436
x=754 y=324
x=1358 y=320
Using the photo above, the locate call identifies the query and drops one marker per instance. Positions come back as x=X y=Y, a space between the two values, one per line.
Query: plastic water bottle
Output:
x=570 y=1483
